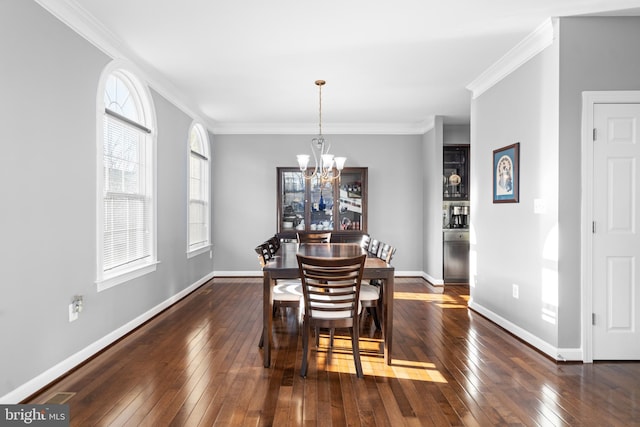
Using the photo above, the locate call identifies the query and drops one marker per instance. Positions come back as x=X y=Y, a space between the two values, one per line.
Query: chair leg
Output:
x=261 y=343
x=355 y=344
x=376 y=320
x=306 y=330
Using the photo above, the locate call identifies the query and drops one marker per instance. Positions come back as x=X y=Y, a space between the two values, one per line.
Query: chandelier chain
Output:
x=320 y=83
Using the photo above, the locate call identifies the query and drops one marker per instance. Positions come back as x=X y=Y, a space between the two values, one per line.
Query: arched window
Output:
x=199 y=210
x=126 y=180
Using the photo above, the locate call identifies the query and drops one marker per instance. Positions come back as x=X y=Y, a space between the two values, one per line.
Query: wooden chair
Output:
x=331 y=289
x=371 y=291
x=374 y=247
x=319 y=237
x=274 y=244
x=386 y=252
x=365 y=242
x=286 y=293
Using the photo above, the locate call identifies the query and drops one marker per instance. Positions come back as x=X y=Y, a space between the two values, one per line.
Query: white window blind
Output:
x=127 y=205
x=198 y=190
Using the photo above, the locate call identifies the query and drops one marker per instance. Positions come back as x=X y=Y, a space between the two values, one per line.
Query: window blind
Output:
x=197 y=201
x=127 y=202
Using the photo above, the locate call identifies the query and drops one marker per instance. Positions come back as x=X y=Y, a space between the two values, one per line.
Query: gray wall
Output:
x=48 y=190
x=539 y=105
x=432 y=206
x=510 y=244
x=245 y=183
x=595 y=54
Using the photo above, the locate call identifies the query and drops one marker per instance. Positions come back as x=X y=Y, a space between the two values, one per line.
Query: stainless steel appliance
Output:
x=459 y=217
x=456 y=256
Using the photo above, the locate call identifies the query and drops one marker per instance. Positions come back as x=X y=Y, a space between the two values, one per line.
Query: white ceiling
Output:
x=251 y=64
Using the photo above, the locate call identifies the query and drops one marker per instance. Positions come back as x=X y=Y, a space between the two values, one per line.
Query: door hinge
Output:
x=593 y=319
x=593 y=227
x=595 y=134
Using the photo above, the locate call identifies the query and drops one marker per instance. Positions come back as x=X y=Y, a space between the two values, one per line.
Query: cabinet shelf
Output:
x=455 y=172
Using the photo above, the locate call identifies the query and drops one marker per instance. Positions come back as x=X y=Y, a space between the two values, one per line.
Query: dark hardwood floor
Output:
x=198 y=364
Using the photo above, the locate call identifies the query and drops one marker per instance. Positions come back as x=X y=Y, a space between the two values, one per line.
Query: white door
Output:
x=616 y=238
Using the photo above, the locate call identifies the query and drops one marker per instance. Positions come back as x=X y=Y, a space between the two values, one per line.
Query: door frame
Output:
x=589 y=99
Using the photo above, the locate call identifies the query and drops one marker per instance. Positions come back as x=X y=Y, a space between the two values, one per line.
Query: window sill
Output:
x=198 y=251
x=126 y=275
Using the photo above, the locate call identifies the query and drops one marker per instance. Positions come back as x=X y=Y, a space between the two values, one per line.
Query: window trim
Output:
x=108 y=279
x=193 y=251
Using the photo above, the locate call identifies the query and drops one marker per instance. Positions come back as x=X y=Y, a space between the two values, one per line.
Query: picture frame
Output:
x=506 y=174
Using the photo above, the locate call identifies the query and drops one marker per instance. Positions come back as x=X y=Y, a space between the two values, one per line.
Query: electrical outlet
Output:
x=515 y=291
x=75 y=307
x=73 y=314
x=78 y=303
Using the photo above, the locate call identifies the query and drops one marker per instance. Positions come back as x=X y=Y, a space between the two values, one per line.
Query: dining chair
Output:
x=285 y=293
x=320 y=237
x=331 y=289
x=371 y=291
x=365 y=242
x=374 y=247
x=274 y=244
x=386 y=252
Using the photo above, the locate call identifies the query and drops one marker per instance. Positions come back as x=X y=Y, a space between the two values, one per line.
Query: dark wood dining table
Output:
x=285 y=266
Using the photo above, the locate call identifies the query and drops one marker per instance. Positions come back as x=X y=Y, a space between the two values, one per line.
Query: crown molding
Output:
x=70 y=13
x=419 y=128
x=541 y=38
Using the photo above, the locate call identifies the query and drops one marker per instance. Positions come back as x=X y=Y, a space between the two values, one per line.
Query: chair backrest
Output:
x=374 y=247
x=274 y=244
x=264 y=253
x=273 y=247
x=320 y=237
x=386 y=252
x=331 y=288
x=365 y=242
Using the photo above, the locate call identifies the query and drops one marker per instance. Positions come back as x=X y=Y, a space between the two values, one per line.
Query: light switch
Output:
x=539 y=206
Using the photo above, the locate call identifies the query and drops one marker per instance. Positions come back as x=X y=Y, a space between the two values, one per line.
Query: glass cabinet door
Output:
x=339 y=206
x=351 y=201
x=455 y=173
x=292 y=200
x=321 y=205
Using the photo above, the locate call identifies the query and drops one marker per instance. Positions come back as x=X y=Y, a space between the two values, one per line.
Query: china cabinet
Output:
x=338 y=206
x=455 y=172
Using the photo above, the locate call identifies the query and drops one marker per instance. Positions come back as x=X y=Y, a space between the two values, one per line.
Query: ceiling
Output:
x=248 y=66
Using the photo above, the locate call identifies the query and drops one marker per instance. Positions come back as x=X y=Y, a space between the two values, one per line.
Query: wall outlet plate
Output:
x=73 y=314
x=516 y=291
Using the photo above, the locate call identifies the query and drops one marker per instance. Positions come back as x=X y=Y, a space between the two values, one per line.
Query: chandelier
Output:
x=324 y=162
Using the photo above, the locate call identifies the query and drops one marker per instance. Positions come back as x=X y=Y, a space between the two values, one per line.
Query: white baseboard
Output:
x=432 y=280
x=558 y=354
x=51 y=374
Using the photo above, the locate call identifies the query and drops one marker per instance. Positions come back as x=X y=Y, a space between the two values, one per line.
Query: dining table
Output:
x=284 y=265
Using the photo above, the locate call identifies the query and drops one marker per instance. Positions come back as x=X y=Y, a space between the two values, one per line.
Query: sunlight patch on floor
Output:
x=413 y=296
x=340 y=359
x=442 y=301
x=342 y=362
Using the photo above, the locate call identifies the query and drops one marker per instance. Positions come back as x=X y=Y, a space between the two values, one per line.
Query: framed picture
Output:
x=506 y=174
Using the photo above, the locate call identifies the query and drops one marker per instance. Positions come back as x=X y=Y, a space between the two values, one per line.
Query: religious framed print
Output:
x=506 y=174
